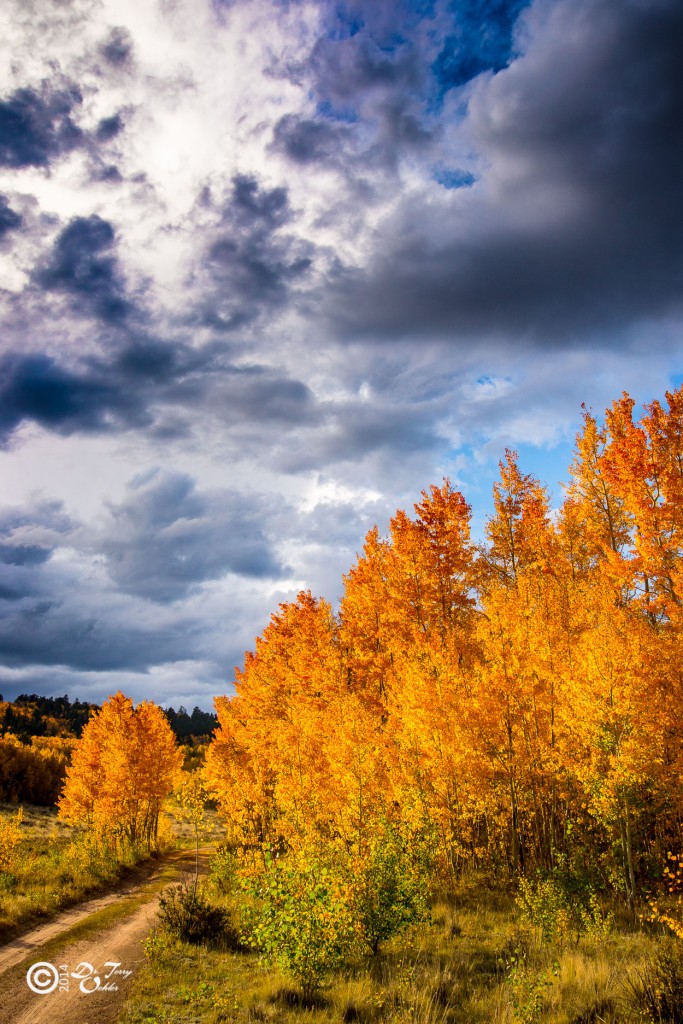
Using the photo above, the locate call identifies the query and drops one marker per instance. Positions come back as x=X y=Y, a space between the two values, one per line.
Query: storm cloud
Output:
x=167 y=538
x=9 y=218
x=82 y=264
x=577 y=221
x=269 y=269
x=251 y=263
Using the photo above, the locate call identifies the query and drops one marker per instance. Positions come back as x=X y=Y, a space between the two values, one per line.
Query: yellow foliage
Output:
x=10 y=840
x=523 y=697
x=123 y=768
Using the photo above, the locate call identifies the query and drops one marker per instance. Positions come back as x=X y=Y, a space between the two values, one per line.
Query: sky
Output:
x=270 y=268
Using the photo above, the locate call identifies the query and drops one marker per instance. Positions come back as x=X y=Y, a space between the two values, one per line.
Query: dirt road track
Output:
x=120 y=942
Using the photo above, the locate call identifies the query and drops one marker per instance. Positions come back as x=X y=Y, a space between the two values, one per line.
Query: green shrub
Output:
x=391 y=888
x=561 y=906
x=529 y=986
x=222 y=870
x=297 y=914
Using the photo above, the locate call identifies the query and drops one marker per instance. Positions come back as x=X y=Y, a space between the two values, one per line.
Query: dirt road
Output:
x=105 y=962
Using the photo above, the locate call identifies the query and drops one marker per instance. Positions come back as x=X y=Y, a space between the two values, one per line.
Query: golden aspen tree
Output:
x=644 y=463
x=513 y=534
x=430 y=578
x=123 y=768
x=268 y=765
x=516 y=680
x=615 y=728
x=364 y=623
x=605 y=523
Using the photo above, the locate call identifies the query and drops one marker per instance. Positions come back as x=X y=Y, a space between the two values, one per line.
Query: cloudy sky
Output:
x=270 y=268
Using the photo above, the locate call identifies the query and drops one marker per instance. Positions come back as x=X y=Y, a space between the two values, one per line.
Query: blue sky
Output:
x=268 y=269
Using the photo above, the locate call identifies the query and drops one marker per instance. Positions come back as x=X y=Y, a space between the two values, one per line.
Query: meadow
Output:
x=53 y=866
x=479 y=955
x=477 y=959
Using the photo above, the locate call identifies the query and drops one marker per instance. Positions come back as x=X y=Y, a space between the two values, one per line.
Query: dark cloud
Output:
x=118 y=48
x=147 y=359
x=28 y=537
x=35 y=387
x=49 y=515
x=139 y=382
x=251 y=263
x=106 y=172
x=578 y=221
x=250 y=204
x=353 y=431
x=98 y=395
x=59 y=632
x=23 y=554
x=82 y=263
x=9 y=218
x=36 y=127
x=109 y=127
x=305 y=141
x=168 y=538
x=257 y=394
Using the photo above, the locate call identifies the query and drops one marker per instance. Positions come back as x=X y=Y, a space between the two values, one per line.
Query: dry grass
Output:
x=473 y=964
x=55 y=868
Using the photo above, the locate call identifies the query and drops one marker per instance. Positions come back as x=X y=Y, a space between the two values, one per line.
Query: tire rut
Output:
x=115 y=950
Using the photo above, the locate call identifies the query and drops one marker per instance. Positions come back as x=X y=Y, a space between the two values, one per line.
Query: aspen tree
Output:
x=123 y=768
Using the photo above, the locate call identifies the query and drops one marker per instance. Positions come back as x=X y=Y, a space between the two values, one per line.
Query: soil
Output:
x=120 y=943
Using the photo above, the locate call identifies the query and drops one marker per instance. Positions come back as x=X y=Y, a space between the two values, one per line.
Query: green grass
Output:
x=55 y=867
x=474 y=963
x=96 y=922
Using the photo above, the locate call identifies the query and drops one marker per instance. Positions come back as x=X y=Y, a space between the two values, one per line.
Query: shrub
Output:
x=297 y=913
x=390 y=885
x=222 y=870
x=186 y=914
x=561 y=907
x=8 y=881
x=529 y=986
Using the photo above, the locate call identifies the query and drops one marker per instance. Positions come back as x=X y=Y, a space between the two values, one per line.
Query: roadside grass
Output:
x=96 y=922
x=473 y=963
x=56 y=866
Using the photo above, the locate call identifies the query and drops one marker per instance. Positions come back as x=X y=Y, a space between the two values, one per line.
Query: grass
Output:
x=98 y=921
x=474 y=963
x=55 y=867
